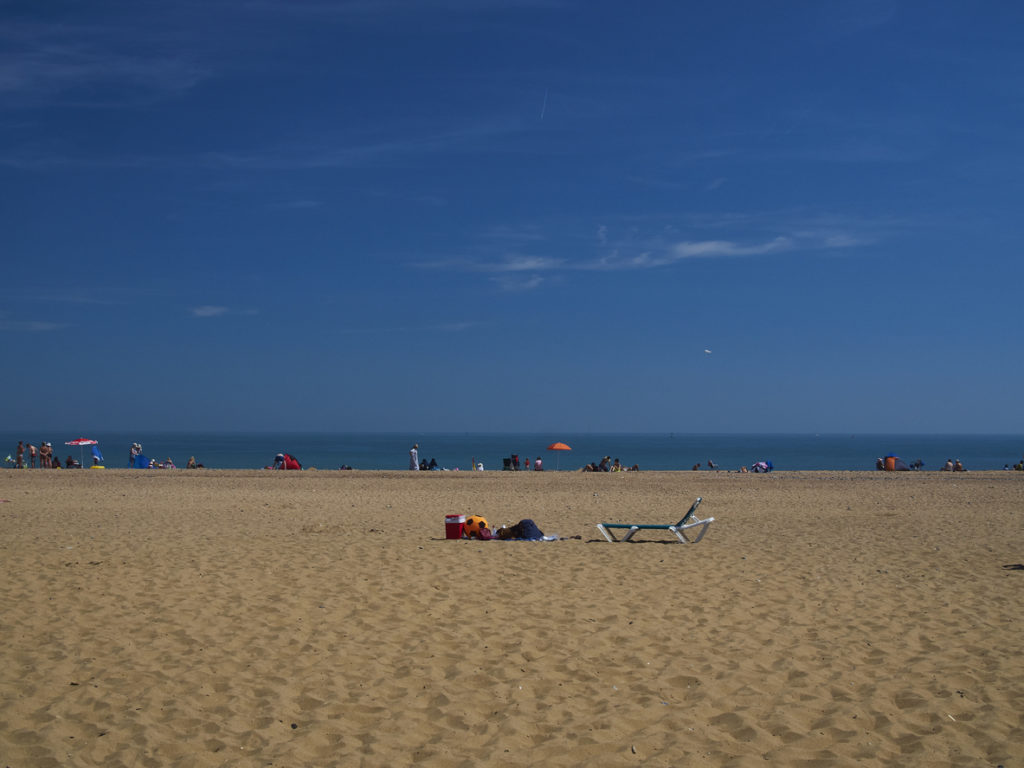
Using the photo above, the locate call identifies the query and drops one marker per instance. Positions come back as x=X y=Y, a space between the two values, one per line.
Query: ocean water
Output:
x=456 y=450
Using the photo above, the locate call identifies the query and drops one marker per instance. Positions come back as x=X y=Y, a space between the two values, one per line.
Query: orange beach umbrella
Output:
x=558 y=447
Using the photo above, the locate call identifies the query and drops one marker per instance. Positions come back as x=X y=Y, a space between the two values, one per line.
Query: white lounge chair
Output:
x=689 y=521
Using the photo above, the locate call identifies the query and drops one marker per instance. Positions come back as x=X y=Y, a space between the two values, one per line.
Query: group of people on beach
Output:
x=607 y=465
x=43 y=453
x=136 y=460
x=513 y=463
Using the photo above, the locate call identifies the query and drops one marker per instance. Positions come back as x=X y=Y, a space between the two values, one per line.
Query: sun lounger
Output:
x=689 y=521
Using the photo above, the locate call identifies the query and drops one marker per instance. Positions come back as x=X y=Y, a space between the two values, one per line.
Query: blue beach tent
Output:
x=141 y=462
x=97 y=457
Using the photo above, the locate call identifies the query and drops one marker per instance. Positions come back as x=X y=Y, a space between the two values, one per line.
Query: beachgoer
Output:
x=432 y=465
x=32 y=450
x=524 y=529
x=958 y=467
x=19 y=462
x=44 y=455
x=279 y=461
x=538 y=465
x=133 y=454
x=616 y=466
x=948 y=467
x=695 y=467
x=191 y=463
x=479 y=466
x=527 y=463
x=712 y=465
x=414 y=457
x=880 y=464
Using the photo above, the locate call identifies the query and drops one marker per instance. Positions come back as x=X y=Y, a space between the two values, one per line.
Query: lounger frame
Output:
x=688 y=522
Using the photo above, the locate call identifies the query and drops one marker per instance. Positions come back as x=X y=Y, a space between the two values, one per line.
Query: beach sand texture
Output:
x=253 y=618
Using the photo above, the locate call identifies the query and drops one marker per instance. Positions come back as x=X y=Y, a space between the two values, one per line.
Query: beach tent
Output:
x=97 y=457
x=894 y=463
x=141 y=462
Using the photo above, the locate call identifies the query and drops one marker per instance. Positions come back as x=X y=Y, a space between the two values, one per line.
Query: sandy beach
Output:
x=245 y=618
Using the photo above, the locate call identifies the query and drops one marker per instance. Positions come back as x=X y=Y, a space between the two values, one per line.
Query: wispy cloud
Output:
x=518 y=284
x=603 y=252
x=453 y=327
x=208 y=311
x=44 y=63
x=30 y=326
x=712 y=248
x=523 y=264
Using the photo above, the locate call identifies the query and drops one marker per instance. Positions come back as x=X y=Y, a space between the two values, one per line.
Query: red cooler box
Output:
x=454 y=526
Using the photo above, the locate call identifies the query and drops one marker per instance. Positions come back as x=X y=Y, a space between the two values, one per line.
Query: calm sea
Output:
x=649 y=451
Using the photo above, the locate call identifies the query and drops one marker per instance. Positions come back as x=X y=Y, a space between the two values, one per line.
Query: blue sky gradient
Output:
x=499 y=215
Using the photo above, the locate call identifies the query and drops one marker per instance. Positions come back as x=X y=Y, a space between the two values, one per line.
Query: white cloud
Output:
x=712 y=248
x=519 y=284
x=208 y=311
x=524 y=264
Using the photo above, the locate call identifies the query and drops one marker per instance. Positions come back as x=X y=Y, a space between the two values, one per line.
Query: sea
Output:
x=669 y=451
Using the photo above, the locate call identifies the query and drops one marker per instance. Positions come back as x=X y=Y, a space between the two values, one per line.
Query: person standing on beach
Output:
x=414 y=457
x=32 y=456
x=20 y=456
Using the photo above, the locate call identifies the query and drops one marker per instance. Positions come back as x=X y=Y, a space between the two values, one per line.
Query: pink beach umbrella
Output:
x=81 y=442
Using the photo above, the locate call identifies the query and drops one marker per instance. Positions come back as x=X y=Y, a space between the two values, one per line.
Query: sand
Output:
x=203 y=618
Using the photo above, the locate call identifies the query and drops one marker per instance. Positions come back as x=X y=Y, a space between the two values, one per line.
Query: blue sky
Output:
x=505 y=215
